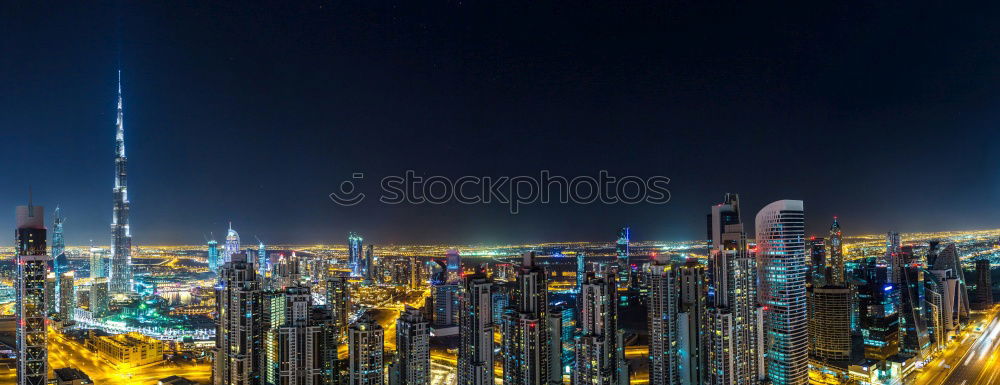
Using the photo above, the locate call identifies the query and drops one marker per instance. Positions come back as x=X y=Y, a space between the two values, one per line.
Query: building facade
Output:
x=31 y=296
x=121 y=237
x=782 y=265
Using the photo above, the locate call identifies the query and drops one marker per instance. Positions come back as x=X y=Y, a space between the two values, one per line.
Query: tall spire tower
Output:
x=121 y=238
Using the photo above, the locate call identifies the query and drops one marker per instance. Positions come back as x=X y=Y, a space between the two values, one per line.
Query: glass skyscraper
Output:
x=782 y=264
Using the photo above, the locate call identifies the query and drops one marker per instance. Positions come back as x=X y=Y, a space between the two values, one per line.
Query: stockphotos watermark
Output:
x=513 y=191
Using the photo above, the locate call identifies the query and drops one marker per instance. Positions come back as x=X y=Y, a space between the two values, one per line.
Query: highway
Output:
x=966 y=359
x=978 y=364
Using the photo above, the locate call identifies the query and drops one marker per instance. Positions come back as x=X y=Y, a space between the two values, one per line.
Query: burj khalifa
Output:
x=121 y=239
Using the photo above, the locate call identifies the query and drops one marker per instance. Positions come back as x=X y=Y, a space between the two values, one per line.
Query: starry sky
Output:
x=883 y=114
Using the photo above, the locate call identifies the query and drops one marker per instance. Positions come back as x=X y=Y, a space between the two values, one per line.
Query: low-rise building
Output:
x=128 y=350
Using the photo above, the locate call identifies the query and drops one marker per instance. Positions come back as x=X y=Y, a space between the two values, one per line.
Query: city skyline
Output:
x=517 y=193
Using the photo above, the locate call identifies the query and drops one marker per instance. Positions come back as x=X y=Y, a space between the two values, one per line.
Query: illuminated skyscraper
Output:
x=99 y=300
x=232 y=245
x=475 y=351
x=525 y=345
x=370 y=271
x=338 y=302
x=782 y=265
x=121 y=237
x=835 y=254
x=914 y=337
x=581 y=271
x=879 y=313
x=733 y=345
x=893 y=257
x=365 y=348
x=32 y=302
x=98 y=265
x=354 y=246
x=984 y=284
x=412 y=365
x=597 y=350
x=239 y=350
x=624 y=270
x=262 y=262
x=817 y=262
x=301 y=341
x=454 y=264
x=51 y=281
x=213 y=255
x=664 y=357
x=67 y=296
x=690 y=318
x=58 y=244
x=830 y=323
x=945 y=265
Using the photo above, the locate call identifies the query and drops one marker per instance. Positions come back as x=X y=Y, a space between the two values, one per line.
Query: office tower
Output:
x=232 y=245
x=878 y=301
x=476 y=325
x=414 y=273
x=501 y=301
x=525 y=344
x=239 y=353
x=553 y=322
x=893 y=258
x=67 y=296
x=338 y=302
x=567 y=335
x=945 y=265
x=817 y=262
x=454 y=265
x=664 y=367
x=32 y=301
x=334 y=369
x=354 y=246
x=984 y=285
x=262 y=261
x=272 y=317
x=781 y=261
x=624 y=270
x=733 y=350
x=914 y=337
x=58 y=244
x=597 y=350
x=300 y=343
x=99 y=299
x=121 y=237
x=830 y=323
x=835 y=248
x=51 y=282
x=365 y=345
x=690 y=316
x=446 y=303
x=413 y=359
x=98 y=267
x=581 y=270
x=213 y=256
x=933 y=311
x=370 y=268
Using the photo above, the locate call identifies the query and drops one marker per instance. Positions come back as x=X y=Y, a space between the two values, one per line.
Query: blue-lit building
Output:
x=354 y=247
x=59 y=244
x=213 y=256
x=782 y=265
x=878 y=304
x=624 y=270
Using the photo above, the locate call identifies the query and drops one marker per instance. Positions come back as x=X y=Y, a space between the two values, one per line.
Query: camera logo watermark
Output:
x=513 y=191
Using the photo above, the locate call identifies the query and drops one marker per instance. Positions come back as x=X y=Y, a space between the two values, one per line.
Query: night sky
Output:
x=884 y=114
